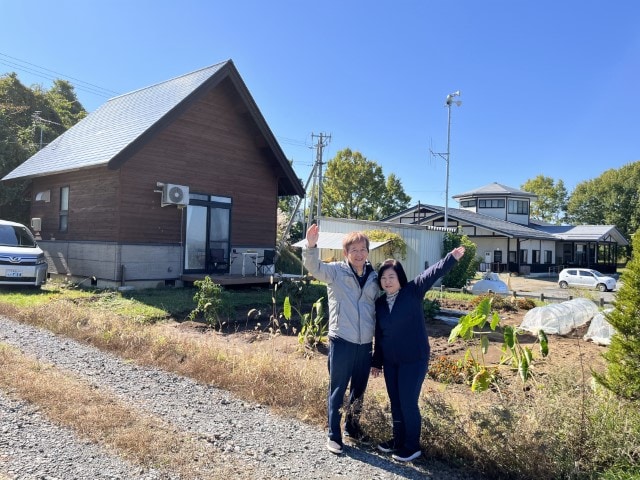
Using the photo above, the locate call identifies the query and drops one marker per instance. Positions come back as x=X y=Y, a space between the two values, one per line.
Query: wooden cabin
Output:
x=161 y=185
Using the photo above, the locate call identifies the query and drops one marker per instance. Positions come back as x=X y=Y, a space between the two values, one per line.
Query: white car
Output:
x=22 y=261
x=585 y=278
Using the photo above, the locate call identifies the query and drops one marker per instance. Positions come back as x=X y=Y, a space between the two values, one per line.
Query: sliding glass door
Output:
x=208 y=234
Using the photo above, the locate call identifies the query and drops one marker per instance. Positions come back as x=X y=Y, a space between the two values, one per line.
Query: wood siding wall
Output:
x=214 y=148
x=93 y=211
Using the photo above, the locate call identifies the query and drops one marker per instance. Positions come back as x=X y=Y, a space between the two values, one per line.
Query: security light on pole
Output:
x=449 y=101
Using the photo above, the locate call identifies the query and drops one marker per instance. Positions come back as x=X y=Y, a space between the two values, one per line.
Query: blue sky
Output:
x=548 y=87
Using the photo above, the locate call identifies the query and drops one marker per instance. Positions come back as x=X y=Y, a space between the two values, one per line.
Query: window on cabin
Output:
x=63 y=224
x=520 y=207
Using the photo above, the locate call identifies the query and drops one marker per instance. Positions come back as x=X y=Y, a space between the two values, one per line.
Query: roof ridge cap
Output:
x=168 y=80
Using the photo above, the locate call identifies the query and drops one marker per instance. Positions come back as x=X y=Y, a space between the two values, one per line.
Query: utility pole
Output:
x=38 y=120
x=322 y=142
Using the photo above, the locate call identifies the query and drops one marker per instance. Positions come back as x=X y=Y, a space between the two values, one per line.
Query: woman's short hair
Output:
x=397 y=267
x=354 y=237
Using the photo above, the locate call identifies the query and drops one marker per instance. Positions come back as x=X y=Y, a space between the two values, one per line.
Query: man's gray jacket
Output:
x=351 y=308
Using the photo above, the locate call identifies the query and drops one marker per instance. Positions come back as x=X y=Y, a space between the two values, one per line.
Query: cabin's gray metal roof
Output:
x=108 y=135
x=101 y=135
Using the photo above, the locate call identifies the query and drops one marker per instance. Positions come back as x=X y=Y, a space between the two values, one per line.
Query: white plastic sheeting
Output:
x=490 y=281
x=559 y=318
x=600 y=331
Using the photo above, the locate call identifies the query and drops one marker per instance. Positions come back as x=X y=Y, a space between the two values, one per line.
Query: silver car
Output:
x=586 y=278
x=22 y=261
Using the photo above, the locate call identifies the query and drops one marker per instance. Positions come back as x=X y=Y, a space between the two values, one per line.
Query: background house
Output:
x=177 y=178
x=496 y=218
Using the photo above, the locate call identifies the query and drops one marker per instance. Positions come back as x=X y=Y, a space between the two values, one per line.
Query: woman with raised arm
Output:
x=402 y=350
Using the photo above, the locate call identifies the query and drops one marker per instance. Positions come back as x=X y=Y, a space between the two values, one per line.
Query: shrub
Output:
x=212 y=302
x=395 y=247
x=466 y=267
x=498 y=302
x=623 y=356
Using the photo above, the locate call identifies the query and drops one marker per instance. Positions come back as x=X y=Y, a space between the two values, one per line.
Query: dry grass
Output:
x=261 y=376
x=102 y=418
x=555 y=427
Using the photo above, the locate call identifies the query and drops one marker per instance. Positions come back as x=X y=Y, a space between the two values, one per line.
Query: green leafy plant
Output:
x=430 y=308
x=276 y=325
x=514 y=355
x=314 y=329
x=297 y=291
x=212 y=303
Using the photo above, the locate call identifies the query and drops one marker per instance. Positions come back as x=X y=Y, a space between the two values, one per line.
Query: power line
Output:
x=39 y=71
x=294 y=142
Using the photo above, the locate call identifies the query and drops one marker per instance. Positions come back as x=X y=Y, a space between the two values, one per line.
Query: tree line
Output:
x=613 y=198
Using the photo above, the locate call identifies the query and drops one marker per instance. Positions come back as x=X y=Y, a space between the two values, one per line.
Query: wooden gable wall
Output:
x=213 y=148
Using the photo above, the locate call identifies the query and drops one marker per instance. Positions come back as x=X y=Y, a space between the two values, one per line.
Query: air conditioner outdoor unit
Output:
x=175 y=194
x=36 y=224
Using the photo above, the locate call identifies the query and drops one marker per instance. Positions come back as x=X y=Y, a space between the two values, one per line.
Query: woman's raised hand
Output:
x=457 y=252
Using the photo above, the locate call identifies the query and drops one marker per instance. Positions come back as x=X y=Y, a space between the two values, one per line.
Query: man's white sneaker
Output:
x=334 y=447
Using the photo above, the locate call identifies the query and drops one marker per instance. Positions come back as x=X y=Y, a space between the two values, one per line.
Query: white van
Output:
x=21 y=259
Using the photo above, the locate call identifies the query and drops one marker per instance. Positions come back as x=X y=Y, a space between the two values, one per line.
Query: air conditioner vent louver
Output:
x=175 y=194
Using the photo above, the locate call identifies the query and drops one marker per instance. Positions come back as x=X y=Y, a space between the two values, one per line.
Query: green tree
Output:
x=466 y=267
x=29 y=118
x=623 y=355
x=395 y=198
x=63 y=100
x=551 y=204
x=613 y=198
x=355 y=187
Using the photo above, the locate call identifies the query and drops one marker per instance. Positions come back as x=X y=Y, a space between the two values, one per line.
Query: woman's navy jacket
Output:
x=401 y=335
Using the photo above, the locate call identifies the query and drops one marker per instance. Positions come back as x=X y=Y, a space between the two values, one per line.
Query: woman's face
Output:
x=389 y=281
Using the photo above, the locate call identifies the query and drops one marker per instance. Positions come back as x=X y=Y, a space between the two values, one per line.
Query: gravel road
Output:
x=269 y=446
